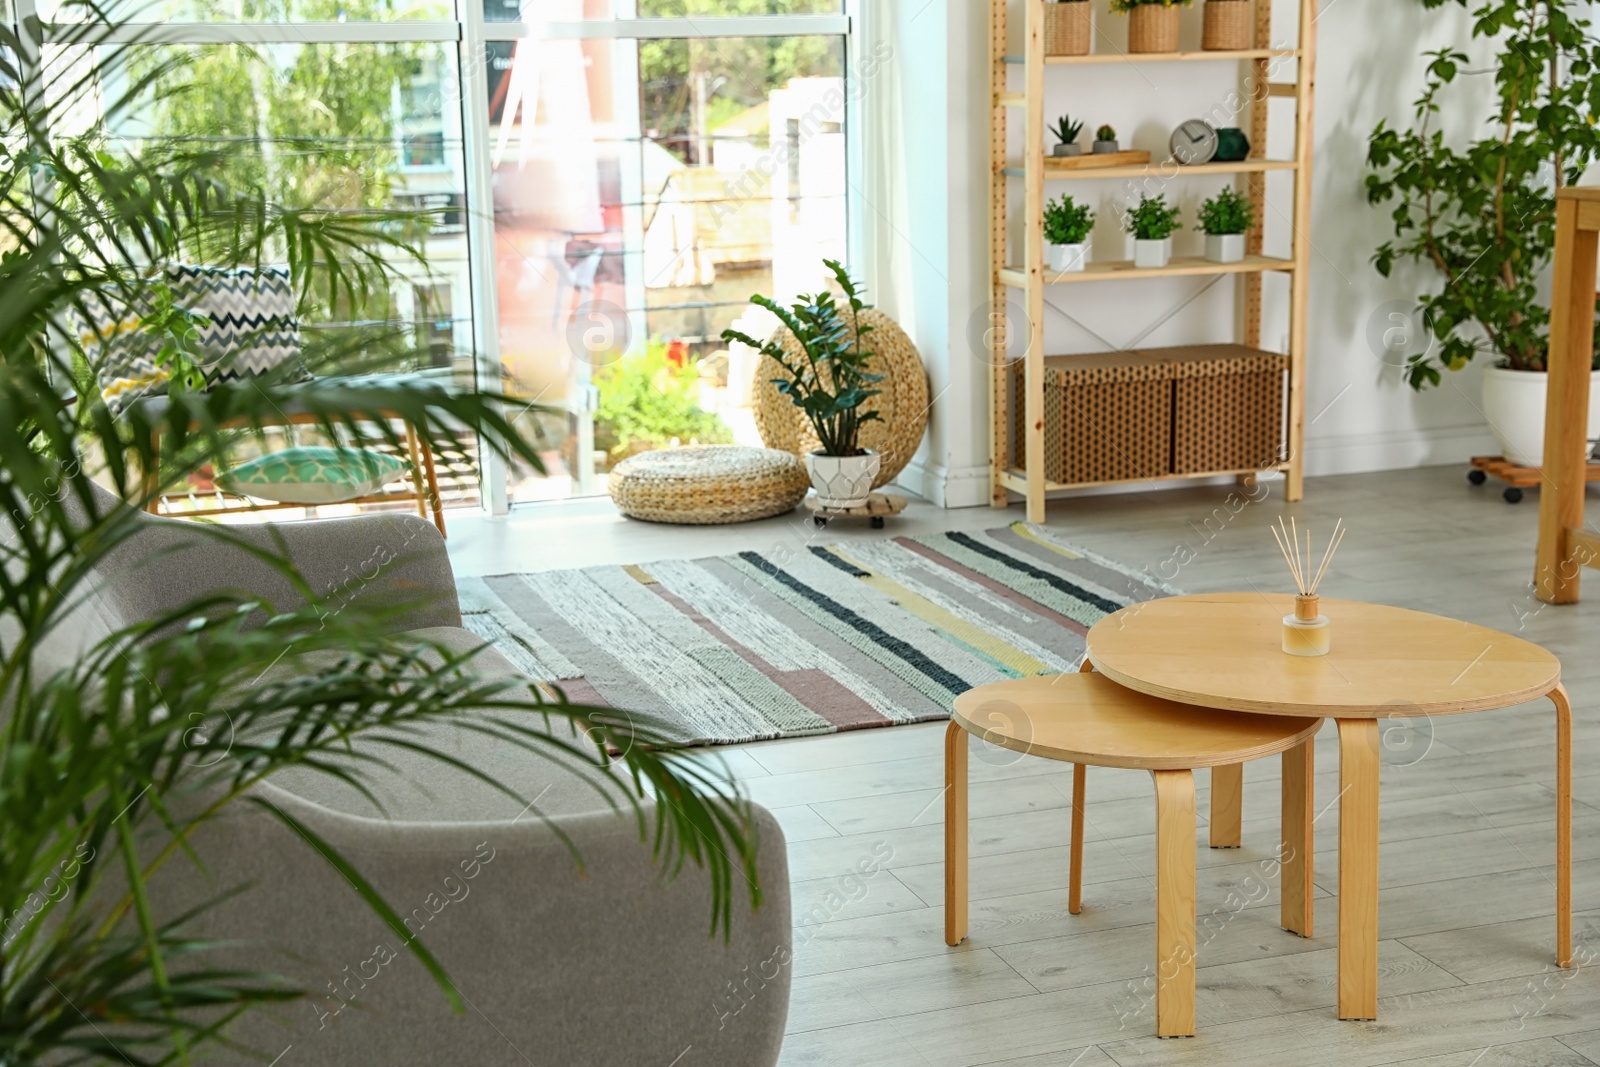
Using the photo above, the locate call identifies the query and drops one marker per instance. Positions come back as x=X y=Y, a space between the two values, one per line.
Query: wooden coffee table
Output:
x=1223 y=650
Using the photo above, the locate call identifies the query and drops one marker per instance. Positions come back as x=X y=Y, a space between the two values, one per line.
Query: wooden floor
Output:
x=1467 y=895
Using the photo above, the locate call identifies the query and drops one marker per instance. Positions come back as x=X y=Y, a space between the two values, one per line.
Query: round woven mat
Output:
x=902 y=404
x=702 y=485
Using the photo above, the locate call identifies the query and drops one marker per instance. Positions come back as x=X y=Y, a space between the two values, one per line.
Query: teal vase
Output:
x=1232 y=145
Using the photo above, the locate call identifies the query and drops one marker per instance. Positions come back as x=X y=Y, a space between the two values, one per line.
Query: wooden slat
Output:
x=1016 y=480
x=1167 y=57
x=1300 y=282
x=1164 y=169
x=1180 y=266
x=997 y=336
x=1033 y=200
x=1283 y=89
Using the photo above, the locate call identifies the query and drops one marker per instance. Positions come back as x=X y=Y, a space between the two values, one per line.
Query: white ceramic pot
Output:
x=1514 y=401
x=1068 y=259
x=1225 y=247
x=842 y=481
x=1152 y=253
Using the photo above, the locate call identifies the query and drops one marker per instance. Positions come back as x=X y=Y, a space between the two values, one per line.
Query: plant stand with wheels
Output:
x=1516 y=477
x=878 y=507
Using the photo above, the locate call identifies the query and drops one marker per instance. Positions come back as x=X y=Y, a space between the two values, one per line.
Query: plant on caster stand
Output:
x=1483 y=214
x=829 y=381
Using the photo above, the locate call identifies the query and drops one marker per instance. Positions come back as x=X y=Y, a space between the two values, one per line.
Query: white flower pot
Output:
x=1152 y=253
x=1514 y=402
x=1068 y=259
x=1225 y=247
x=842 y=481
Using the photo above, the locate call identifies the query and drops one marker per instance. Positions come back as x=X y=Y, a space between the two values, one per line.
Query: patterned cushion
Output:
x=251 y=331
x=314 y=475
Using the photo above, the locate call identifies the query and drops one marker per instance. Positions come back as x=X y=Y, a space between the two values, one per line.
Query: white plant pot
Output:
x=1152 y=253
x=842 y=481
x=1225 y=247
x=1068 y=259
x=1514 y=402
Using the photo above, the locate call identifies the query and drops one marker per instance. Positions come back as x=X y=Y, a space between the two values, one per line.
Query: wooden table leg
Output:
x=1358 y=869
x=1174 y=903
x=1295 y=856
x=1075 y=850
x=955 y=834
x=1227 y=805
x=1563 y=704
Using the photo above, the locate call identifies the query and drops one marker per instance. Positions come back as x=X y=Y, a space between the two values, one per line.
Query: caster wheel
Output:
x=1477 y=477
x=877 y=522
x=820 y=521
x=1513 y=495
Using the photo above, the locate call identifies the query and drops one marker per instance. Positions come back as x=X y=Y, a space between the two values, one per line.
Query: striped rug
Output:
x=812 y=639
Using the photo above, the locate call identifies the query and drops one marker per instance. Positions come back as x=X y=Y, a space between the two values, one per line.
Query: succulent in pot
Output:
x=1066 y=132
x=1105 y=140
x=830 y=383
x=1066 y=233
x=1152 y=224
x=1226 y=218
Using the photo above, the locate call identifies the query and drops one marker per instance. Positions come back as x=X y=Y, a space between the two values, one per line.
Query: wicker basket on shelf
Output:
x=1229 y=26
x=1153 y=28
x=1068 y=28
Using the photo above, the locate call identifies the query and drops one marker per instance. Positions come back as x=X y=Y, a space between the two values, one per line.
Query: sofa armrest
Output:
x=612 y=965
x=394 y=562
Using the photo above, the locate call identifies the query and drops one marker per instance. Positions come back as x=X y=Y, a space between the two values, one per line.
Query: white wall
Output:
x=1361 y=416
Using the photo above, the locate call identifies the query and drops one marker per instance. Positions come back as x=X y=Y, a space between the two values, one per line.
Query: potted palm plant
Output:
x=1152 y=24
x=1066 y=233
x=1226 y=218
x=1152 y=224
x=829 y=382
x=1066 y=133
x=1479 y=214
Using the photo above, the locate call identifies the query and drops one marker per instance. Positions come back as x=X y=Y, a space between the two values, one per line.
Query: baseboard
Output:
x=961 y=487
x=1397 y=450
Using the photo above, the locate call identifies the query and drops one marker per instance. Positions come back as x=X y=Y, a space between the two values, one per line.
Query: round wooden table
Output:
x=1088 y=720
x=1223 y=650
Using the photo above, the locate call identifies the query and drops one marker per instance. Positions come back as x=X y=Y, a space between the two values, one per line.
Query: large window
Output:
x=608 y=182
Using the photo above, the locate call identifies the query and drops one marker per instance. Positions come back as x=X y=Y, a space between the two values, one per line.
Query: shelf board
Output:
x=1016 y=479
x=1166 y=168
x=1124 y=270
x=1164 y=57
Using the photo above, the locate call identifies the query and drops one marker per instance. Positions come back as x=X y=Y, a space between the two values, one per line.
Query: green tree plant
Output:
x=1481 y=213
x=830 y=381
x=1067 y=222
x=1228 y=212
x=104 y=779
x=647 y=401
x=1152 y=219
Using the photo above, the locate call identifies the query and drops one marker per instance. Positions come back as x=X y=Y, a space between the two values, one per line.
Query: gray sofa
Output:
x=612 y=967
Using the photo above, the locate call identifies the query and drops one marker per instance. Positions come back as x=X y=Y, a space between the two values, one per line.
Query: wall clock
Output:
x=1194 y=142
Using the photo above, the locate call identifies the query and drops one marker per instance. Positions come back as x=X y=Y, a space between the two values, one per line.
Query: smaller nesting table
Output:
x=1086 y=719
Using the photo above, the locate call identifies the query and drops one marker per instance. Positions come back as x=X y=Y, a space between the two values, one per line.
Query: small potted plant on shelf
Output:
x=1066 y=233
x=1066 y=131
x=830 y=382
x=1226 y=218
x=1152 y=24
x=1152 y=224
x=1105 y=140
x=1067 y=28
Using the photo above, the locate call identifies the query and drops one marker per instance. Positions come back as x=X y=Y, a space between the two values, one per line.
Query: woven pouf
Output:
x=902 y=403
x=702 y=485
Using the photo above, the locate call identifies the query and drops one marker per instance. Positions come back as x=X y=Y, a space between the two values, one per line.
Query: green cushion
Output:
x=314 y=475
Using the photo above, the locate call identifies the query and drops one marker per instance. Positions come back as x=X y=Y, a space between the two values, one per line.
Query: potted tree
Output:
x=1152 y=224
x=1067 y=28
x=1105 y=140
x=1066 y=233
x=1226 y=218
x=1152 y=24
x=1066 y=132
x=1481 y=214
x=830 y=384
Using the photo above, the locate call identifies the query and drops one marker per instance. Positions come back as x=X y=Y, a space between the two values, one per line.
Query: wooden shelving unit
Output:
x=1030 y=276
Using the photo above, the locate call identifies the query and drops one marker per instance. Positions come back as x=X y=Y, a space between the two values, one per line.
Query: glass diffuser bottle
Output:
x=1305 y=629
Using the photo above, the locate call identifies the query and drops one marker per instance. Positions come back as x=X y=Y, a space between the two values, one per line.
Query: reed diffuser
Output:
x=1305 y=630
